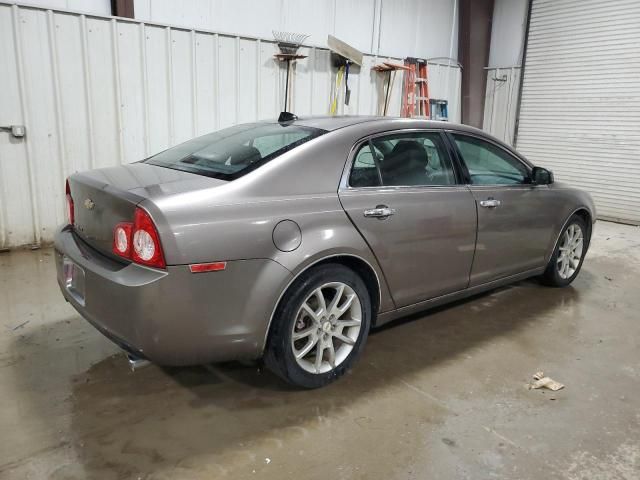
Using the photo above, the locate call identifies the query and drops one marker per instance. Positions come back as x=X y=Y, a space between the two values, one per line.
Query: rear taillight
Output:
x=139 y=241
x=122 y=239
x=69 y=200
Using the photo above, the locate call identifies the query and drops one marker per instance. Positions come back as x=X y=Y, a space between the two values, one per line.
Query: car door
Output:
x=514 y=227
x=405 y=197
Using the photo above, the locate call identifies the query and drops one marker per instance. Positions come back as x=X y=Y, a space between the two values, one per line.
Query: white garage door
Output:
x=580 y=110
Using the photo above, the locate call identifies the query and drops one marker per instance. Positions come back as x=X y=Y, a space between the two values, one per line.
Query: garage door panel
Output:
x=580 y=106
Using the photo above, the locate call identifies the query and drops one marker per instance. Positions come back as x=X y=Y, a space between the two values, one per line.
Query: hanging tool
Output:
x=345 y=56
x=390 y=69
x=288 y=43
x=336 y=92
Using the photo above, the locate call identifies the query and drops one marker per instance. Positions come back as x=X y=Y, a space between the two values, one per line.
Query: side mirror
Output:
x=541 y=176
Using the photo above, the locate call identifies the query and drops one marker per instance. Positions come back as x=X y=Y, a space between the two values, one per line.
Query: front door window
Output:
x=489 y=164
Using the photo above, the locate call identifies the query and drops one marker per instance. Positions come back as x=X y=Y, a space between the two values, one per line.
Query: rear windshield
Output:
x=235 y=151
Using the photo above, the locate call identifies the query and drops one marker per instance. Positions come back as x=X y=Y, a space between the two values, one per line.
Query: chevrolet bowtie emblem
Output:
x=88 y=204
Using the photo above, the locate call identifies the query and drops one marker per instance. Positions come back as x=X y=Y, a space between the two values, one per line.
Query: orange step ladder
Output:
x=416 y=76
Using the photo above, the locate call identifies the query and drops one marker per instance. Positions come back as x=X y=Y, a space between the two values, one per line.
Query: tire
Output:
x=561 y=272
x=346 y=332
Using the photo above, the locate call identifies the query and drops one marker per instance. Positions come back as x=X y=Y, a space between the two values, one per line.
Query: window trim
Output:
x=344 y=181
x=450 y=133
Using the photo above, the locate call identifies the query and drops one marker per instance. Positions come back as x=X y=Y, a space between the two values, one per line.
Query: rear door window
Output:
x=365 y=172
x=235 y=151
x=406 y=159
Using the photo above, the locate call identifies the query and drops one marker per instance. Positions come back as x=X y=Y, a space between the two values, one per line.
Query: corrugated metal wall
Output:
x=95 y=7
x=97 y=91
x=503 y=74
x=501 y=101
x=419 y=28
x=580 y=110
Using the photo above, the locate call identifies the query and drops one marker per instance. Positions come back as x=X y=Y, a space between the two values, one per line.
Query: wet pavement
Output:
x=438 y=395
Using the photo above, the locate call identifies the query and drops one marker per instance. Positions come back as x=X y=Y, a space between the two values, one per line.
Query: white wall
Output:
x=97 y=91
x=399 y=28
x=419 y=28
x=503 y=75
x=507 y=32
x=500 y=103
x=97 y=7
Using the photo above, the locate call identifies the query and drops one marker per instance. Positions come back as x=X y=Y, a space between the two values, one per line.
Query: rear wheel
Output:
x=567 y=258
x=320 y=326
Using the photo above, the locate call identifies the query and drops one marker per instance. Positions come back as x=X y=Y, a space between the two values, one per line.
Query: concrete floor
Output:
x=441 y=395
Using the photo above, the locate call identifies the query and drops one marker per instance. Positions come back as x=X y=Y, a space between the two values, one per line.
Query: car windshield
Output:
x=235 y=151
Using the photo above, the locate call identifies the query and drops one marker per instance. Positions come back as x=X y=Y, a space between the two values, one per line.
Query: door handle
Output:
x=490 y=203
x=381 y=211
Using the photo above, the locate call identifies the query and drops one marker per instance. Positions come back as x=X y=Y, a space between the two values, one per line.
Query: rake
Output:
x=288 y=43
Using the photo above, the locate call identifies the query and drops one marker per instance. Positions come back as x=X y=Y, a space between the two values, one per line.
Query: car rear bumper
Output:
x=172 y=316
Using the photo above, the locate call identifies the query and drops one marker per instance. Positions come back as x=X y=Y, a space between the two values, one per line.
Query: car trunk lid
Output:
x=105 y=197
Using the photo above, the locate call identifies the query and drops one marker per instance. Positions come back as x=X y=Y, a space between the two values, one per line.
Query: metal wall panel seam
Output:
x=375 y=31
x=216 y=50
x=258 y=76
x=237 y=78
x=359 y=89
x=493 y=100
x=88 y=89
x=4 y=235
x=375 y=107
x=277 y=94
x=312 y=67
x=53 y=55
x=333 y=7
x=4 y=230
x=379 y=29
x=116 y=73
x=35 y=204
x=170 y=86
x=194 y=87
x=145 y=88
x=507 y=128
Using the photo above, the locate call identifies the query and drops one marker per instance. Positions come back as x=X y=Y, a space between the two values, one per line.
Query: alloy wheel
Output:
x=326 y=327
x=570 y=251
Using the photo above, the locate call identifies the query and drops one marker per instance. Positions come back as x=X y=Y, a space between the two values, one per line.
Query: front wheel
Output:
x=320 y=326
x=567 y=258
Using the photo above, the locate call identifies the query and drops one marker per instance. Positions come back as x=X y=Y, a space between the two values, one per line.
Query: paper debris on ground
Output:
x=545 y=382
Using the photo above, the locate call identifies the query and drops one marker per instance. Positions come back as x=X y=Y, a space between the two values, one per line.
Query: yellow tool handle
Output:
x=334 y=102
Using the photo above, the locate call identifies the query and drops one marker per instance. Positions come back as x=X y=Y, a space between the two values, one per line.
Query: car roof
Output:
x=334 y=122
x=379 y=123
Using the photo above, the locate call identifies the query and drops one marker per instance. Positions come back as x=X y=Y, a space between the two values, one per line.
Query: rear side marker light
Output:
x=207 y=267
